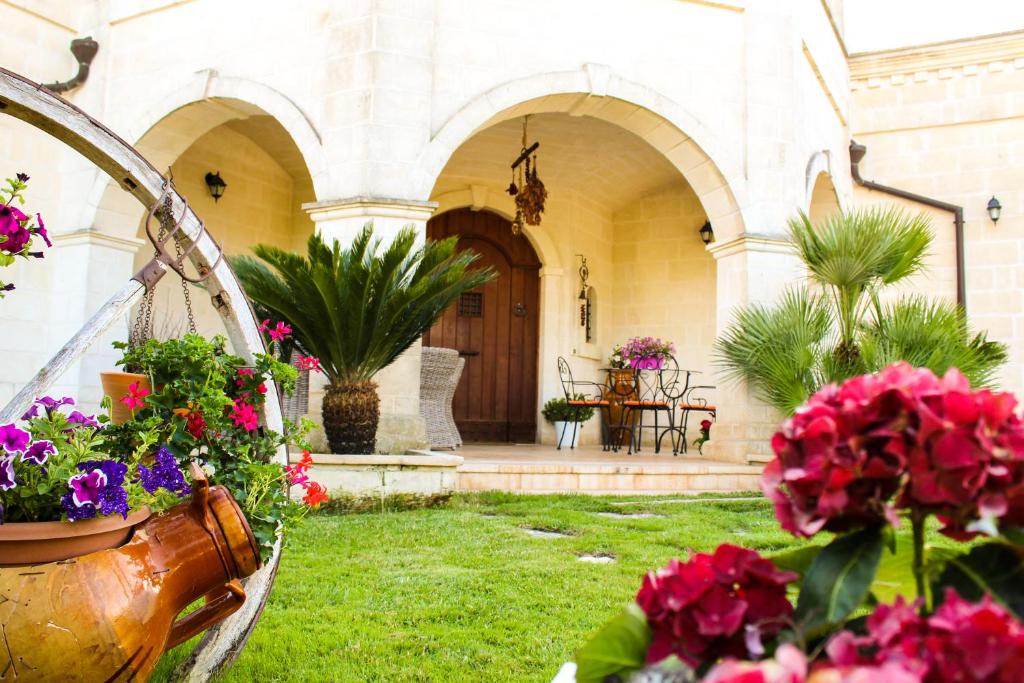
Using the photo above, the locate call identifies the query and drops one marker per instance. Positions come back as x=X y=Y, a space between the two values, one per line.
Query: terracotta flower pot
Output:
x=24 y=543
x=115 y=385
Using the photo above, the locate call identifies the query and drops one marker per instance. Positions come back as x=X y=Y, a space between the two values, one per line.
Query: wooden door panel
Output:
x=496 y=400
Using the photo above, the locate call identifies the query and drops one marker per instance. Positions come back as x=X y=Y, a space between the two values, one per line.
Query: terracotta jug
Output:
x=109 y=615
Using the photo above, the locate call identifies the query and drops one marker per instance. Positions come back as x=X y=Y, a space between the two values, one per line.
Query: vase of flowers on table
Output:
x=647 y=353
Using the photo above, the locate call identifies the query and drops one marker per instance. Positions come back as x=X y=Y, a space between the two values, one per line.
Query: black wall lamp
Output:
x=995 y=209
x=707 y=235
x=216 y=185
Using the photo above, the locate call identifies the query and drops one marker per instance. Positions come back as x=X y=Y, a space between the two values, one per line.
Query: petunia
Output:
x=41 y=231
x=38 y=452
x=7 y=481
x=86 y=487
x=12 y=232
x=84 y=420
x=165 y=474
x=13 y=439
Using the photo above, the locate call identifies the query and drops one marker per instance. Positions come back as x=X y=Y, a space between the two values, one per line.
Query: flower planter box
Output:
x=419 y=472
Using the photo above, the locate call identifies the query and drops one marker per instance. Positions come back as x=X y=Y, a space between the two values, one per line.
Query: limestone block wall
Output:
x=946 y=121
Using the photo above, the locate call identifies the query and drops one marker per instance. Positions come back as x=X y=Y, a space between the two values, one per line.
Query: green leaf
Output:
x=839 y=578
x=798 y=560
x=992 y=568
x=620 y=647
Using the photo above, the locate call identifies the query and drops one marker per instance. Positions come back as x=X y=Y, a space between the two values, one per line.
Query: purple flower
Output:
x=23 y=177
x=114 y=499
x=86 y=487
x=7 y=473
x=113 y=470
x=49 y=403
x=11 y=229
x=84 y=420
x=33 y=411
x=13 y=439
x=38 y=452
x=74 y=511
x=165 y=474
x=41 y=231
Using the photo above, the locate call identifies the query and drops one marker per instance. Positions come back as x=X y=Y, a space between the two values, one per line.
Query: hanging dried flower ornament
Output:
x=530 y=193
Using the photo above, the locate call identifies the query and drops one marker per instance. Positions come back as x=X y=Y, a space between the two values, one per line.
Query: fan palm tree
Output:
x=357 y=309
x=839 y=326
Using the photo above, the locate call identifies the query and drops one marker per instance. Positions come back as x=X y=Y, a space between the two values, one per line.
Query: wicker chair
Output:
x=440 y=370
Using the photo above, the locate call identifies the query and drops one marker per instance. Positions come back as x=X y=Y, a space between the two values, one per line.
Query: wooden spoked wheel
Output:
x=30 y=102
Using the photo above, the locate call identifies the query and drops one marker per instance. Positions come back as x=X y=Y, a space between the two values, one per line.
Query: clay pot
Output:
x=110 y=615
x=24 y=543
x=115 y=385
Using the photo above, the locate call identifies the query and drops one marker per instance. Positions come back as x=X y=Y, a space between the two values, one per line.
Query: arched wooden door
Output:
x=495 y=328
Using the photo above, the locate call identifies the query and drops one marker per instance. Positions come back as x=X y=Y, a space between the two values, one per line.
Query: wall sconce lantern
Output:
x=584 y=274
x=995 y=209
x=216 y=185
x=707 y=235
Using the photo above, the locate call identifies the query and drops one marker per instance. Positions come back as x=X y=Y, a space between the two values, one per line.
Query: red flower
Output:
x=961 y=641
x=705 y=425
x=262 y=388
x=195 y=424
x=134 y=398
x=280 y=332
x=244 y=416
x=315 y=494
x=297 y=473
x=306 y=461
x=714 y=605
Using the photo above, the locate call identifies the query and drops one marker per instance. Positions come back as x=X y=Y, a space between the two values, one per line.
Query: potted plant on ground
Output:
x=566 y=419
x=841 y=326
x=858 y=461
x=357 y=309
x=66 y=490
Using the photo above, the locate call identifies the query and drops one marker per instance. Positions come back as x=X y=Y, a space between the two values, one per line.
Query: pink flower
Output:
x=134 y=398
x=714 y=606
x=296 y=474
x=961 y=641
x=308 y=363
x=788 y=666
x=15 y=235
x=244 y=416
x=280 y=332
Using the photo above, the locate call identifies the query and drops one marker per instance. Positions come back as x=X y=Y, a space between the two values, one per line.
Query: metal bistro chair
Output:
x=581 y=396
x=650 y=399
x=691 y=402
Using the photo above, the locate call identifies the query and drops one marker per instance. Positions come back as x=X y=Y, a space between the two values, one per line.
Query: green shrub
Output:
x=559 y=410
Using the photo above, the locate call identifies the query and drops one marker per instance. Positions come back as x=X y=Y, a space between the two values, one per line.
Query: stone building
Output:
x=654 y=117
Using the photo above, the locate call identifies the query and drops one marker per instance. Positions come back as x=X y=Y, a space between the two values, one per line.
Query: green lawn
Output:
x=462 y=593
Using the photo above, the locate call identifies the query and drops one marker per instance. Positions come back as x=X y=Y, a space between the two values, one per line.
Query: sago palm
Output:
x=838 y=326
x=357 y=309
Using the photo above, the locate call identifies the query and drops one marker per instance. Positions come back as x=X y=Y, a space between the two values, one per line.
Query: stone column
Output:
x=401 y=426
x=552 y=344
x=750 y=269
x=90 y=266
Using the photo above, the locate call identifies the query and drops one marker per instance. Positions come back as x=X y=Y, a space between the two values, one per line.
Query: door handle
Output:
x=469 y=353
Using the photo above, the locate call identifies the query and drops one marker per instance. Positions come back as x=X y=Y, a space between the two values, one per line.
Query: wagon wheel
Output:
x=30 y=102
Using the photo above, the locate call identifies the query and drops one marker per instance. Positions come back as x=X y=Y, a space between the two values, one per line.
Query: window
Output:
x=471 y=305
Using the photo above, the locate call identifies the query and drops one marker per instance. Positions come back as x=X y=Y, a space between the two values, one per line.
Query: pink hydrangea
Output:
x=714 y=606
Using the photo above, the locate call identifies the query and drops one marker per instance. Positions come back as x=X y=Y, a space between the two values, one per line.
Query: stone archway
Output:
x=595 y=90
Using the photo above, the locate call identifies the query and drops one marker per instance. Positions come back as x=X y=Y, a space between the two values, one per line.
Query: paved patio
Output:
x=542 y=469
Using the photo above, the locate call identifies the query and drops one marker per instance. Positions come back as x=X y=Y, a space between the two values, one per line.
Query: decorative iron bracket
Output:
x=151 y=273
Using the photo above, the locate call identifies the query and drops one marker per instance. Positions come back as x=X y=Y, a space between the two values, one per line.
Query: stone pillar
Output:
x=750 y=269
x=552 y=344
x=90 y=267
x=401 y=426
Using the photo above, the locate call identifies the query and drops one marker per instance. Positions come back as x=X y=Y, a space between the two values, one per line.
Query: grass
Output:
x=462 y=593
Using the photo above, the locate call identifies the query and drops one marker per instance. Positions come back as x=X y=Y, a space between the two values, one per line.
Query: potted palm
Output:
x=844 y=325
x=357 y=309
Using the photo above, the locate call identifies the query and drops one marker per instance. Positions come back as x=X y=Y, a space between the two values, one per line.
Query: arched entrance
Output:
x=495 y=328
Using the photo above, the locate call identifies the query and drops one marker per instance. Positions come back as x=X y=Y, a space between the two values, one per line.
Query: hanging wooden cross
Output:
x=530 y=193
